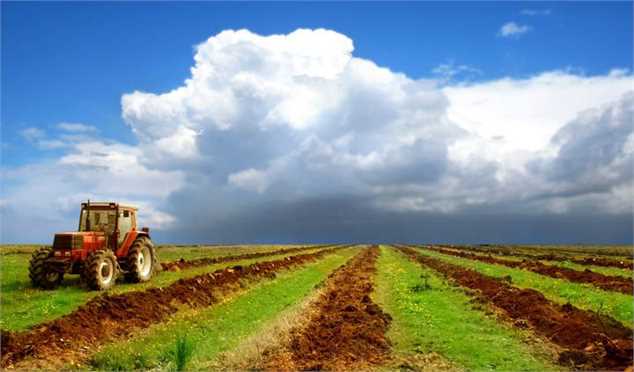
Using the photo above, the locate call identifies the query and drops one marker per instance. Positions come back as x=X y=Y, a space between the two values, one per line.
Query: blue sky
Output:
x=73 y=62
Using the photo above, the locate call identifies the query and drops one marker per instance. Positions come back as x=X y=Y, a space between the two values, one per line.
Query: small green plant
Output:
x=183 y=352
x=425 y=286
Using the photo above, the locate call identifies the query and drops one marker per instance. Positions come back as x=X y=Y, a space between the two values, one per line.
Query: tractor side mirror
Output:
x=145 y=229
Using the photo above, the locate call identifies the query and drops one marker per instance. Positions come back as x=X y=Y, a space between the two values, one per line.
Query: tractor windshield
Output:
x=100 y=220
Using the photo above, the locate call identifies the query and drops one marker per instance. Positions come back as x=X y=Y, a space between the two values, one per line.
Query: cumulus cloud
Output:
x=512 y=29
x=47 y=194
x=276 y=137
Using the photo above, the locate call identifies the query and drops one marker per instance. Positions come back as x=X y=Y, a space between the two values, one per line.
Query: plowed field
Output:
x=331 y=307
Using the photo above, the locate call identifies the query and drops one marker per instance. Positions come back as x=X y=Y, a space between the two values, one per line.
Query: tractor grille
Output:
x=67 y=241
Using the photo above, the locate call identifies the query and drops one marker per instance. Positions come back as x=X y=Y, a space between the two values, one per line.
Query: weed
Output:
x=422 y=287
x=183 y=352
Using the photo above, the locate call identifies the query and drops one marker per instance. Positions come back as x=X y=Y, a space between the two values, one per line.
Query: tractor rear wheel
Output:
x=41 y=273
x=100 y=270
x=141 y=261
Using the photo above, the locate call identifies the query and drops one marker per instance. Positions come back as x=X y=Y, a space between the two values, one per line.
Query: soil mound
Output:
x=109 y=316
x=597 y=261
x=186 y=264
x=605 y=282
x=347 y=330
x=593 y=341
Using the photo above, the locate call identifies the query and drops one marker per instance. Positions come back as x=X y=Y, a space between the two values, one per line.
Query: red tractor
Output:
x=106 y=244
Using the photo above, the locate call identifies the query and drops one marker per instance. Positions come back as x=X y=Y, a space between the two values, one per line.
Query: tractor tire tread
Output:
x=37 y=269
x=91 y=269
x=133 y=275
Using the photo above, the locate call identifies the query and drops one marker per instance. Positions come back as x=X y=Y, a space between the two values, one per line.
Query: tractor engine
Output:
x=70 y=249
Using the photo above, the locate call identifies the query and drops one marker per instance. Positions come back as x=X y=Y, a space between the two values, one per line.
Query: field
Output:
x=332 y=307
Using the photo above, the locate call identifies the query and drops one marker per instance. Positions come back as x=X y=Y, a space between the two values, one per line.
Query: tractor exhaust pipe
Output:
x=88 y=215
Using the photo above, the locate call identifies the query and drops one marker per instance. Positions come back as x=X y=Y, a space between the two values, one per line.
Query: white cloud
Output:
x=76 y=127
x=49 y=192
x=250 y=179
x=450 y=70
x=525 y=113
x=33 y=134
x=39 y=138
x=536 y=12
x=283 y=119
x=512 y=29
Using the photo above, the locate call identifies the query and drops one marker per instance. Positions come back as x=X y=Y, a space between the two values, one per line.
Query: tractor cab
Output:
x=106 y=244
x=114 y=221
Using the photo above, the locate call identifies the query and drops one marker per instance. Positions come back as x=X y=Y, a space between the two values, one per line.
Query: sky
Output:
x=474 y=122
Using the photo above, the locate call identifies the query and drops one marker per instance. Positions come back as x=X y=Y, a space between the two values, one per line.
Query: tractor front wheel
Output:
x=41 y=273
x=141 y=261
x=100 y=271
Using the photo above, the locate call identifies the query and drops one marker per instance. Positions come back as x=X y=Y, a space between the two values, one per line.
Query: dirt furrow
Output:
x=606 y=282
x=186 y=264
x=590 y=340
x=106 y=317
x=596 y=261
x=346 y=330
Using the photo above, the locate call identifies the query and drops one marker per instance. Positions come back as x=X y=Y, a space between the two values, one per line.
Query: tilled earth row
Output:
x=347 y=329
x=186 y=264
x=597 y=261
x=106 y=317
x=590 y=340
x=606 y=282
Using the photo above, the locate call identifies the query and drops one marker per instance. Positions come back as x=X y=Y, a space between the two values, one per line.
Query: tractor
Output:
x=106 y=245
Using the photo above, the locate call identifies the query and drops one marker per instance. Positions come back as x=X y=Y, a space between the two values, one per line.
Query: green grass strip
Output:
x=440 y=319
x=218 y=328
x=584 y=296
x=612 y=271
x=29 y=306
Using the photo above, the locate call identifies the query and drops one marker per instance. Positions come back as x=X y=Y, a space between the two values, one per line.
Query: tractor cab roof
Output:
x=113 y=205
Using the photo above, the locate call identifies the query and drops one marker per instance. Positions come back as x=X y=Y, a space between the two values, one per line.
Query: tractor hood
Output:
x=75 y=239
x=82 y=233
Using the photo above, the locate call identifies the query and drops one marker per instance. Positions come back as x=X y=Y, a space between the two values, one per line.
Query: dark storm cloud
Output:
x=342 y=219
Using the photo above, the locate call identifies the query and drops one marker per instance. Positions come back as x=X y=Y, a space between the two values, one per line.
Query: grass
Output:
x=183 y=352
x=29 y=306
x=430 y=316
x=585 y=296
x=603 y=250
x=614 y=251
x=612 y=271
x=218 y=328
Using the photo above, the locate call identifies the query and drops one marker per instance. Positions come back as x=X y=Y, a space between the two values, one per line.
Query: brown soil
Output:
x=186 y=264
x=109 y=316
x=606 y=282
x=596 y=261
x=346 y=331
x=591 y=340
